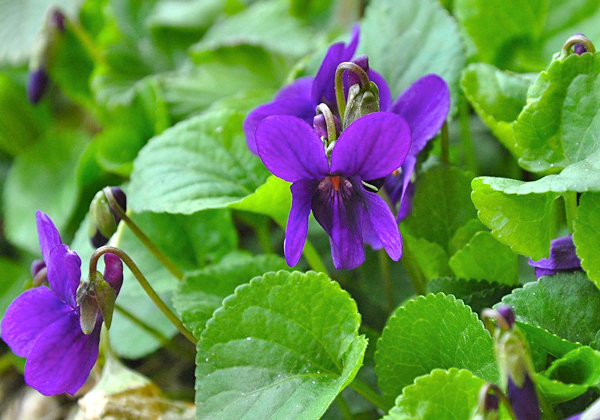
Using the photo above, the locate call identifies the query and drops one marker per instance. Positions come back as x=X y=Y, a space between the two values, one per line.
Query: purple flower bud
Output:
x=57 y=19
x=121 y=199
x=363 y=62
x=579 y=48
x=491 y=402
x=36 y=85
x=113 y=271
x=524 y=400
x=104 y=219
x=507 y=313
x=98 y=239
x=36 y=267
x=562 y=258
x=320 y=126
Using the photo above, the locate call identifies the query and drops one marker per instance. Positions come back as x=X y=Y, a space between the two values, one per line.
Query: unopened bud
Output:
x=507 y=313
x=489 y=402
x=523 y=399
x=97 y=297
x=37 y=84
x=57 y=20
x=320 y=126
x=103 y=218
x=361 y=102
x=113 y=271
x=36 y=267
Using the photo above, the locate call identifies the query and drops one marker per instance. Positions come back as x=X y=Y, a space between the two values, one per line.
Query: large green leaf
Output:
x=442 y=394
x=434 y=331
x=282 y=347
x=266 y=24
x=525 y=222
x=478 y=294
x=567 y=305
x=560 y=124
x=43 y=177
x=273 y=199
x=498 y=97
x=203 y=291
x=484 y=258
x=587 y=235
x=197 y=164
x=441 y=205
x=420 y=38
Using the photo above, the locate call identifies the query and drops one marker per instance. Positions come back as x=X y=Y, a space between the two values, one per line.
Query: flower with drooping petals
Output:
x=370 y=148
x=562 y=258
x=43 y=324
x=301 y=97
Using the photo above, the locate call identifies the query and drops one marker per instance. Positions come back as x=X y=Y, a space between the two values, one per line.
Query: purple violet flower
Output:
x=370 y=148
x=424 y=105
x=43 y=324
x=301 y=97
x=524 y=400
x=562 y=258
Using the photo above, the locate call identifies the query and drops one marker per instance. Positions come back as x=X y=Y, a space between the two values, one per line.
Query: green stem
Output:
x=416 y=276
x=384 y=266
x=313 y=259
x=6 y=361
x=465 y=136
x=340 y=96
x=158 y=254
x=263 y=235
x=445 y=143
x=548 y=412
x=87 y=42
x=144 y=283
x=369 y=394
x=344 y=408
x=570 y=198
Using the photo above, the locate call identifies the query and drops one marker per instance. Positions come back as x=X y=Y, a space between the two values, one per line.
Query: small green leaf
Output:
x=441 y=205
x=266 y=24
x=423 y=36
x=273 y=199
x=567 y=305
x=484 y=258
x=560 y=124
x=498 y=97
x=282 y=347
x=477 y=294
x=587 y=235
x=198 y=164
x=442 y=394
x=571 y=375
x=203 y=291
x=430 y=257
x=433 y=331
x=525 y=222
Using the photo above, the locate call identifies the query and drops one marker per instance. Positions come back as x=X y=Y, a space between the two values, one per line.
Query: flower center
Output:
x=335 y=181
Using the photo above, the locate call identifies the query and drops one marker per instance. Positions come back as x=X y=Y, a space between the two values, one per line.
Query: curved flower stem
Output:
x=340 y=96
x=144 y=283
x=166 y=261
x=465 y=136
x=329 y=122
x=313 y=259
x=86 y=41
x=369 y=394
x=578 y=39
x=445 y=142
x=570 y=198
x=384 y=266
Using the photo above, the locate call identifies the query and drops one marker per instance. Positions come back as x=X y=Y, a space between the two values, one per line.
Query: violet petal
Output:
x=47 y=233
x=62 y=357
x=64 y=273
x=563 y=257
x=300 y=107
x=290 y=148
x=113 y=271
x=371 y=147
x=299 y=88
x=524 y=400
x=28 y=316
x=425 y=106
x=385 y=96
x=297 y=224
x=384 y=224
x=408 y=168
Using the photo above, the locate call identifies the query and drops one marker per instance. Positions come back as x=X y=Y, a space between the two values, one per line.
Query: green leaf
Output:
x=441 y=205
x=500 y=28
x=478 y=294
x=586 y=235
x=570 y=376
x=484 y=258
x=430 y=257
x=43 y=177
x=565 y=304
x=442 y=394
x=424 y=39
x=464 y=234
x=266 y=24
x=198 y=164
x=12 y=280
x=560 y=124
x=523 y=221
x=273 y=199
x=282 y=347
x=433 y=331
x=20 y=22
x=203 y=291
x=498 y=97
